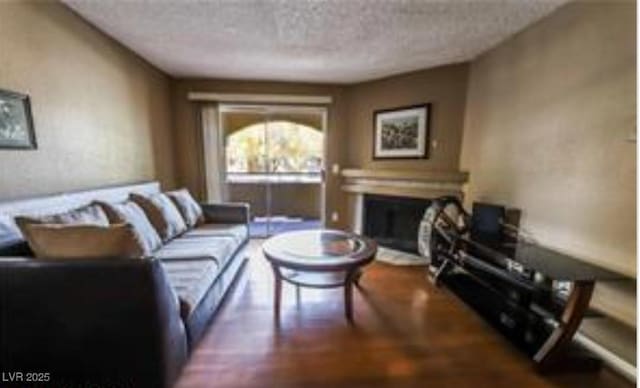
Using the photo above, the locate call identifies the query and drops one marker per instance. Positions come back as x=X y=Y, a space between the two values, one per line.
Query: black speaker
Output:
x=486 y=221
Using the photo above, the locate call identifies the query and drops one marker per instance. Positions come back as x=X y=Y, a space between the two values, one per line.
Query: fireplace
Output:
x=393 y=221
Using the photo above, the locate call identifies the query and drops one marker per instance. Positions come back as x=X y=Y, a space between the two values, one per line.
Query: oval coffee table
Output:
x=321 y=258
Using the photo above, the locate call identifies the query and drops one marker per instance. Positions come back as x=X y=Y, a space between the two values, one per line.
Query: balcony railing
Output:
x=274 y=178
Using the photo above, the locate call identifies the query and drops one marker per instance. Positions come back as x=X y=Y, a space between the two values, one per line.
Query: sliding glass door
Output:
x=274 y=160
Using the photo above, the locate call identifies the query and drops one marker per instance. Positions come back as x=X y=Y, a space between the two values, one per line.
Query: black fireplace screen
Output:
x=393 y=221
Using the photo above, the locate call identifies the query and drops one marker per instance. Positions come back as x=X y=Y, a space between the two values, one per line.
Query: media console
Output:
x=534 y=295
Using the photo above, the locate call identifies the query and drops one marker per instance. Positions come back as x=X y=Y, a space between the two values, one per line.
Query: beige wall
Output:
x=547 y=120
x=102 y=115
x=188 y=144
x=546 y=127
x=443 y=87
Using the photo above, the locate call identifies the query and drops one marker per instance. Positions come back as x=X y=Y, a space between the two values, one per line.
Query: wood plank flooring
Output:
x=407 y=334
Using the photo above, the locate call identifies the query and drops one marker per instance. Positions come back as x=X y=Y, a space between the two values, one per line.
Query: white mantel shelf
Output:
x=404 y=183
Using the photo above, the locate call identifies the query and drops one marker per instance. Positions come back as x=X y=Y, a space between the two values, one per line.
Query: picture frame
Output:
x=16 y=121
x=402 y=133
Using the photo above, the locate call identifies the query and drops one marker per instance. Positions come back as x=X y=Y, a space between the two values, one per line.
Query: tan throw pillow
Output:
x=130 y=213
x=86 y=215
x=59 y=241
x=91 y=214
x=162 y=213
x=189 y=209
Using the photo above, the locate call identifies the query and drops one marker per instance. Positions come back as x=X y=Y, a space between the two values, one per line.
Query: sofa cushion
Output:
x=218 y=248
x=191 y=279
x=87 y=215
x=239 y=232
x=187 y=206
x=129 y=212
x=162 y=213
x=81 y=241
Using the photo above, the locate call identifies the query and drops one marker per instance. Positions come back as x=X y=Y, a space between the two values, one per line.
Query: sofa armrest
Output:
x=111 y=322
x=226 y=213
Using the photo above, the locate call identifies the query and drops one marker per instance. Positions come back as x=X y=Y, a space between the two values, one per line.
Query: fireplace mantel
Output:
x=404 y=183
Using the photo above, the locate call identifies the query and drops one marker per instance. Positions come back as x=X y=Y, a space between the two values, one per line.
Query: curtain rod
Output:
x=259 y=98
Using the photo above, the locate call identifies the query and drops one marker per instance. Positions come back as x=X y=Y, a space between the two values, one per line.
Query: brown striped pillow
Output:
x=129 y=212
x=189 y=209
x=162 y=213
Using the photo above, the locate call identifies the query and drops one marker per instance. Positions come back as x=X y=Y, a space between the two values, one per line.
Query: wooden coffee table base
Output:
x=350 y=277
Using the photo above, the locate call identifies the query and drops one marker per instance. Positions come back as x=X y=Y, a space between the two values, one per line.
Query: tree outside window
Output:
x=285 y=150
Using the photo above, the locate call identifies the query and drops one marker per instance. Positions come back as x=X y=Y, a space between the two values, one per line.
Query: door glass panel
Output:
x=295 y=151
x=246 y=162
x=274 y=161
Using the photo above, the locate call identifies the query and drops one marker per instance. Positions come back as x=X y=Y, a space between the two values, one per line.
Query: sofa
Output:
x=114 y=322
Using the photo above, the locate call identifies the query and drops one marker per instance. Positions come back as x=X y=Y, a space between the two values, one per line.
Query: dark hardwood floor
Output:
x=407 y=334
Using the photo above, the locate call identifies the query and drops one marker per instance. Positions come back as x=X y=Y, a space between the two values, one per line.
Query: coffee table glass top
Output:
x=315 y=247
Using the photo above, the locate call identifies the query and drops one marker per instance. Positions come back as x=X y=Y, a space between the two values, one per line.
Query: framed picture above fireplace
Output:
x=401 y=133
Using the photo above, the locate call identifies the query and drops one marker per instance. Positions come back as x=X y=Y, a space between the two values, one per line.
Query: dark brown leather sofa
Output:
x=115 y=323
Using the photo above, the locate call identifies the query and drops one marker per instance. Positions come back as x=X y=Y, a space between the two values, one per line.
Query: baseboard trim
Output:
x=626 y=369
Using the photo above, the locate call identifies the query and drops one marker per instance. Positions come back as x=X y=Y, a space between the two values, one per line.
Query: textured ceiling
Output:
x=309 y=40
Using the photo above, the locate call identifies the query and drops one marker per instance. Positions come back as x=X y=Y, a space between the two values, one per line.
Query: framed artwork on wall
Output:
x=16 y=122
x=401 y=133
